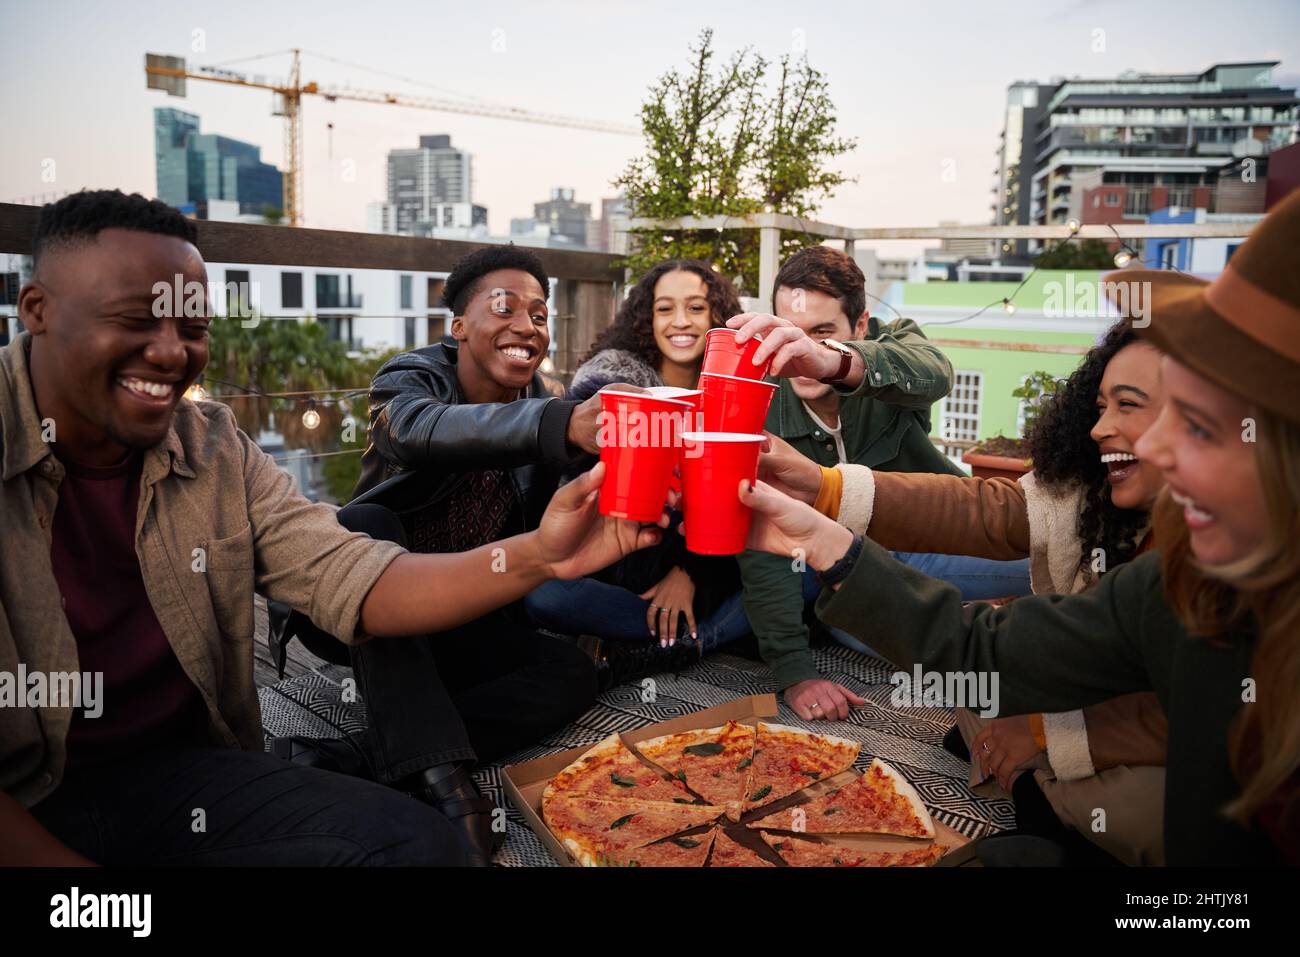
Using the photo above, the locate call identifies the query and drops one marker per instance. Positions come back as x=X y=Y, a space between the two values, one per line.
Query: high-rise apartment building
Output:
x=1112 y=150
x=430 y=188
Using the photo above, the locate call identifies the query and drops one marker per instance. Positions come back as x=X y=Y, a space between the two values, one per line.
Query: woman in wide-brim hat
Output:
x=1210 y=621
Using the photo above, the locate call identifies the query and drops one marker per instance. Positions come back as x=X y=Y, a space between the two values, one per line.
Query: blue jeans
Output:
x=585 y=606
x=978 y=579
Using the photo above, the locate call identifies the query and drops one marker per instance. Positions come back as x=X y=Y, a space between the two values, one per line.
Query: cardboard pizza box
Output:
x=526 y=782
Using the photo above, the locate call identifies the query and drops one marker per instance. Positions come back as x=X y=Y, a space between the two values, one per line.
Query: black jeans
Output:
x=220 y=806
x=475 y=693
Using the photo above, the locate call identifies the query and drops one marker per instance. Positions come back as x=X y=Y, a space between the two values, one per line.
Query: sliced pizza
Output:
x=731 y=853
x=684 y=850
x=878 y=802
x=589 y=827
x=801 y=852
x=610 y=771
x=787 y=759
x=715 y=763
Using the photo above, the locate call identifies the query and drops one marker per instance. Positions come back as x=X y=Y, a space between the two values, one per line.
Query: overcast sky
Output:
x=917 y=83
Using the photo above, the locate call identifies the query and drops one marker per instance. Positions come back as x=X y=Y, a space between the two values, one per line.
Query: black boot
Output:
x=626 y=661
x=450 y=790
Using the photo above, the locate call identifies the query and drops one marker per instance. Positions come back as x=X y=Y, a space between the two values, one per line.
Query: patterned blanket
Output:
x=908 y=738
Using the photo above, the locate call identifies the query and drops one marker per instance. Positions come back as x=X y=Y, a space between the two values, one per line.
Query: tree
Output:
x=281 y=355
x=1089 y=254
x=720 y=143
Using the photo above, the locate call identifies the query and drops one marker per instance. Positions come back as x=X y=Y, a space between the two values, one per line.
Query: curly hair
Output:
x=1065 y=455
x=81 y=217
x=633 y=329
x=465 y=278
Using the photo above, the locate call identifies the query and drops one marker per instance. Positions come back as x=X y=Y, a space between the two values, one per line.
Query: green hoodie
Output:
x=885 y=424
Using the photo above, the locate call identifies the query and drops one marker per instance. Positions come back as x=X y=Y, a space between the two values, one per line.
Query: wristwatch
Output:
x=846 y=361
x=840 y=570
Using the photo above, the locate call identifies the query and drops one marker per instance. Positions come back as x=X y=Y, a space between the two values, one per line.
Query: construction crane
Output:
x=169 y=73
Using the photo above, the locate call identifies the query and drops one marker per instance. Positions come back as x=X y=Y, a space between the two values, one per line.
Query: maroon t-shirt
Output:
x=147 y=698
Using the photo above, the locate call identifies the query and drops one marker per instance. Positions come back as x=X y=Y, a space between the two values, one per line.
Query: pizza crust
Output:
x=904 y=787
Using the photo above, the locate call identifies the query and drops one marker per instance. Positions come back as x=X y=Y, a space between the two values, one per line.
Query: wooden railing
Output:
x=585 y=295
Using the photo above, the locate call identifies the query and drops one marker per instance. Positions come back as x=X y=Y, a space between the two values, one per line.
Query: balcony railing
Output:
x=586 y=283
x=770 y=226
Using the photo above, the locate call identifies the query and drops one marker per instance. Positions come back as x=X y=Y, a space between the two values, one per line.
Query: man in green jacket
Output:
x=868 y=403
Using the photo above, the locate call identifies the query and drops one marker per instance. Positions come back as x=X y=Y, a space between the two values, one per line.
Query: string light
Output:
x=196 y=393
x=1009 y=306
x=1072 y=226
x=311 y=419
x=1123 y=258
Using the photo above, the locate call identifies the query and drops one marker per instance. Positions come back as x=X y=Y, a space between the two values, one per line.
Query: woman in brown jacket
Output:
x=1084 y=509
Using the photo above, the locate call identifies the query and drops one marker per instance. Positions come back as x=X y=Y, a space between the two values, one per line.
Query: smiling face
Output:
x=821 y=317
x=503 y=334
x=104 y=367
x=1128 y=402
x=681 y=317
x=1198 y=443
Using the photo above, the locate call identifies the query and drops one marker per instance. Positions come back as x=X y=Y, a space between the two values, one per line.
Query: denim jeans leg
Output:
x=978 y=579
x=586 y=606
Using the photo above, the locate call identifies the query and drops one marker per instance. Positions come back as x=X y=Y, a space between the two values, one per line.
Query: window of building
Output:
x=327 y=291
x=291 y=290
x=406 y=283
x=408 y=332
x=1112 y=199
x=436 y=326
x=9 y=283
x=4 y=330
x=339 y=329
x=1169 y=256
x=239 y=297
x=433 y=291
x=959 y=413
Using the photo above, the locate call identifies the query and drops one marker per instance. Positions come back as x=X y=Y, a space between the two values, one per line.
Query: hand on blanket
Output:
x=817 y=699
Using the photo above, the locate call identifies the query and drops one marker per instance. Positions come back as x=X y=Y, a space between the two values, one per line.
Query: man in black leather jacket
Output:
x=466 y=446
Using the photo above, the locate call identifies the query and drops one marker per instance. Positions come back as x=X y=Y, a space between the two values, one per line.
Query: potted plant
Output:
x=1002 y=457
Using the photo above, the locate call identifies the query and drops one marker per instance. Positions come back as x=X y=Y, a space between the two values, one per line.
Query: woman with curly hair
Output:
x=687 y=604
x=657 y=338
x=1084 y=509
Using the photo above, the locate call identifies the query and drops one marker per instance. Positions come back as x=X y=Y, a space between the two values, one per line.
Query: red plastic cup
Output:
x=696 y=398
x=723 y=357
x=714 y=463
x=733 y=404
x=640 y=444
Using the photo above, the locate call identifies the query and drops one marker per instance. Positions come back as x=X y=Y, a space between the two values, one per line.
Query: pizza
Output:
x=611 y=771
x=728 y=852
x=801 y=852
x=590 y=827
x=683 y=850
x=878 y=802
x=712 y=762
x=788 y=759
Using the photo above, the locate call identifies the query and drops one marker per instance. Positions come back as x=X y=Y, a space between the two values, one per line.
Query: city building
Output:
x=567 y=219
x=195 y=170
x=1202 y=256
x=430 y=193
x=1112 y=150
x=14 y=271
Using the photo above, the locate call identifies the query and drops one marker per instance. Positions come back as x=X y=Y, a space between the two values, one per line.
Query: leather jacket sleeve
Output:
x=416 y=422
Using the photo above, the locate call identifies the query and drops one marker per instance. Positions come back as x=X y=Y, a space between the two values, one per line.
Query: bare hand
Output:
x=788 y=470
x=671 y=599
x=784 y=526
x=817 y=698
x=574 y=539
x=793 y=352
x=1011 y=749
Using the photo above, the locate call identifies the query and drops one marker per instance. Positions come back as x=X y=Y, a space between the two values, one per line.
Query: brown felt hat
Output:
x=1242 y=330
